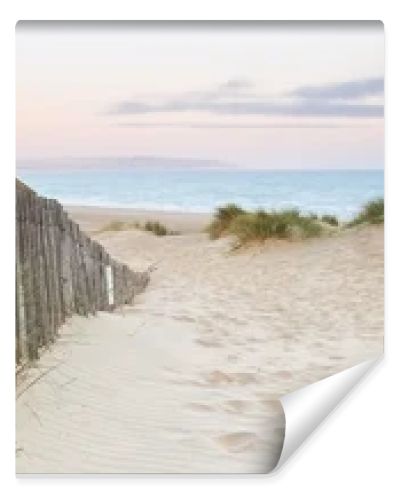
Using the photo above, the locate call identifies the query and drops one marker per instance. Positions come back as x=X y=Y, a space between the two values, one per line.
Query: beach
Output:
x=93 y=219
x=187 y=379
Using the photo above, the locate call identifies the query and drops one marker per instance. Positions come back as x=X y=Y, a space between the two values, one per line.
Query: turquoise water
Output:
x=337 y=192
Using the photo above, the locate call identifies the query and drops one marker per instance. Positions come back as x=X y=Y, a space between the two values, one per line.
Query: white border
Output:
x=354 y=453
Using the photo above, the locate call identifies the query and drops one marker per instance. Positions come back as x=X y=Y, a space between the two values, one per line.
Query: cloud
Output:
x=346 y=90
x=208 y=125
x=260 y=108
x=236 y=84
x=231 y=88
x=233 y=98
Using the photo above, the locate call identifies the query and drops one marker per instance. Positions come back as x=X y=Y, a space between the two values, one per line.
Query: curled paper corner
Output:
x=307 y=407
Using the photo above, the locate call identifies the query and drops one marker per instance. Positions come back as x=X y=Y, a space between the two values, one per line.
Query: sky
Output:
x=252 y=95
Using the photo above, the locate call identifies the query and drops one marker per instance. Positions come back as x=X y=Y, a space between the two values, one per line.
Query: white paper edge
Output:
x=307 y=407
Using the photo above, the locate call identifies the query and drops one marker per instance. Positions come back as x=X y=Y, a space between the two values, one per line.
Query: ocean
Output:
x=340 y=192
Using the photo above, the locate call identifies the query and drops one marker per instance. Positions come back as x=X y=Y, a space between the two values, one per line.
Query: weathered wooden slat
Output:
x=60 y=271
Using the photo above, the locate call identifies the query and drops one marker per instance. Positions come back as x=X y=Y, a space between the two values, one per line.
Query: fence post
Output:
x=60 y=271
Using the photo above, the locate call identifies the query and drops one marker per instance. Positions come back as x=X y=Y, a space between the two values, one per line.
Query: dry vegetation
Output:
x=154 y=227
x=372 y=213
x=260 y=225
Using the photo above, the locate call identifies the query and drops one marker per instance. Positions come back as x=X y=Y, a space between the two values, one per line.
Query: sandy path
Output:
x=187 y=379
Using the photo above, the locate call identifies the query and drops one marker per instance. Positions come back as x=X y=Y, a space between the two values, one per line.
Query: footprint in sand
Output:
x=218 y=377
x=245 y=378
x=271 y=404
x=208 y=343
x=238 y=442
x=183 y=317
x=284 y=374
x=237 y=406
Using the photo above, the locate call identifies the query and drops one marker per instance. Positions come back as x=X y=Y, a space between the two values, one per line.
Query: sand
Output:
x=94 y=218
x=187 y=379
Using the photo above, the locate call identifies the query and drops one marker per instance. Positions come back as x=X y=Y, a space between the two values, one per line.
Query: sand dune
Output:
x=187 y=379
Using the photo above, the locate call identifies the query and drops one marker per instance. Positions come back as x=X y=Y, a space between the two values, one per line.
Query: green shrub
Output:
x=309 y=228
x=114 y=225
x=258 y=227
x=261 y=225
x=371 y=213
x=302 y=226
x=288 y=224
x=222 y=219
x=332 y=220
x=156 y=228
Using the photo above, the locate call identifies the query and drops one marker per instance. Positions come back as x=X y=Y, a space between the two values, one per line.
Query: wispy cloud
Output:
x=345 y=90
x=210 y=125
x=235 y=97
x=236 y=84
x=299 y=109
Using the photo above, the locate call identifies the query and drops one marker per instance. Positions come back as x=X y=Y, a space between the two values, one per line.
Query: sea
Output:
x=338 y=192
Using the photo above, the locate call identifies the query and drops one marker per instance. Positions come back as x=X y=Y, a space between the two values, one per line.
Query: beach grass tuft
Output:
x=261 y=225
x=332 y=220
x=115 y=225
x=372 y=212
x=154 y=227
x=223 y=218
x=248 y=226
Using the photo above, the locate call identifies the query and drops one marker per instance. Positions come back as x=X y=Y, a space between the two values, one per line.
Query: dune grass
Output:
x=117 y=225
x=261 y=225
x=156 y=228
x=223 y=218
x=151 y=226
x=372 y=212
x=332 y=220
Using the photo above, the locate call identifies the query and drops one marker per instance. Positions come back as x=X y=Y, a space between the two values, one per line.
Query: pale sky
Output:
x=256 y=96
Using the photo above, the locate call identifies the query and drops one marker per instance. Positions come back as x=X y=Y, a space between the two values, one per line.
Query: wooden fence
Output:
x=60 y=271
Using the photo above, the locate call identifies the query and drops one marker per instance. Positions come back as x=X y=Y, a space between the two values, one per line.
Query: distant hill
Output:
x=121 y=162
